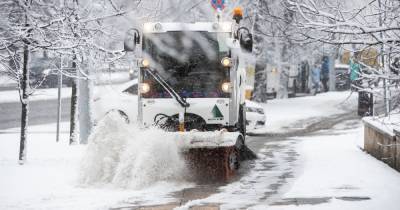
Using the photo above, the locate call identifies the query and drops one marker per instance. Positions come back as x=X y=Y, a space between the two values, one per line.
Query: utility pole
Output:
x=332 y=73
x=60 y=78
x=59 y=88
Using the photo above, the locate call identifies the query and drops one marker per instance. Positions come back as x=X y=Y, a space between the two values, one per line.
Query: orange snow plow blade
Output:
x=216 y=164
x=211 y=156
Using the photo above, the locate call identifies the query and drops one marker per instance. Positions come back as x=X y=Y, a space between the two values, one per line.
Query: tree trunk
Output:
x=74 y=106
x=25 y=106
x=73 y=119
x=260 y=83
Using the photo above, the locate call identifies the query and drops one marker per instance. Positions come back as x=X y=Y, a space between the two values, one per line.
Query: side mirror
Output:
x=245 y=38
x=132 y=38
x=246 y=42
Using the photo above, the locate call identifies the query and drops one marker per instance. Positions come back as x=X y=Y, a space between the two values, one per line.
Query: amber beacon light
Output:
x=237 y=14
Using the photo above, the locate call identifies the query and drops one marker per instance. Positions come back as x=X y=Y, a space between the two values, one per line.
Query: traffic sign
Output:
x=218 y=4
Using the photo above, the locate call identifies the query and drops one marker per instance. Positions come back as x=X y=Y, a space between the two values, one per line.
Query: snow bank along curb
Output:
x=382 y=141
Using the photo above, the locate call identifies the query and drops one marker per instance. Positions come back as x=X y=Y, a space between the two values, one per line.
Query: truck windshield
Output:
x=190 y=62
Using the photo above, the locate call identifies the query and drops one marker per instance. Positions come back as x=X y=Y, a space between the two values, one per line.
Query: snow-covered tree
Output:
x=275 y=46
x=358 y=26
x=23 y=31
x=62 y=29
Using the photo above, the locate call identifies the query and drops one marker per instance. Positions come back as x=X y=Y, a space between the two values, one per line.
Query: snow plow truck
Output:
x=192 y=82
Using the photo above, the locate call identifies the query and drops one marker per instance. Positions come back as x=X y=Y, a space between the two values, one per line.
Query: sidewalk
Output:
x=336 y=174
x=298 y=113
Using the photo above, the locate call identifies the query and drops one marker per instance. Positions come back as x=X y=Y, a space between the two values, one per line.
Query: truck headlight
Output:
x=144 y=88
x=46 y=72
x=145 y=63
x=226 y=87
x=226 y=62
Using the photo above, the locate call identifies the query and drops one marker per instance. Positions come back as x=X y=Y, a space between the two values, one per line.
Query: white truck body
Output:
x=148 y=108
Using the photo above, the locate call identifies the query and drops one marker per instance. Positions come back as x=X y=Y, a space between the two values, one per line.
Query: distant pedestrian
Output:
x=355 y=74
x=315 y=78
x=325 y=73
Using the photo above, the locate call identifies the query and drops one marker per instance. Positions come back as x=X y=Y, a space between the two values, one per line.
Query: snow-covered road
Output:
x=307 y=160
x=40 y=112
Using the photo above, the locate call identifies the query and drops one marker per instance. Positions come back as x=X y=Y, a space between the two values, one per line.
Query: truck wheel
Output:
x=230 y=162
x=233 y=160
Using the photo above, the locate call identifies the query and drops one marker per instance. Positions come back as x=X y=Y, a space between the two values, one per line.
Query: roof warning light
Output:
x=237 y=14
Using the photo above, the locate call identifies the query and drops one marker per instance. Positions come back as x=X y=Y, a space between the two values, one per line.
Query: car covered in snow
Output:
x=120 y=98
x=123 y=100
x=255 y=115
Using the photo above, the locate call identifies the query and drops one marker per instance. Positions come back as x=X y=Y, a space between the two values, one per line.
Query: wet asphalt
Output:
x=41 y=112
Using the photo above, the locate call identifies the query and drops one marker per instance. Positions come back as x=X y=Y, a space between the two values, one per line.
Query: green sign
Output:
x=216 y=112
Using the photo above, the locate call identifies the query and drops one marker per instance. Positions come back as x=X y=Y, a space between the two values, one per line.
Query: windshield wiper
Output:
x=168 y=88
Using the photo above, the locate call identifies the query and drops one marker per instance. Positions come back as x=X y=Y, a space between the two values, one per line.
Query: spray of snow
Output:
x=125 y=156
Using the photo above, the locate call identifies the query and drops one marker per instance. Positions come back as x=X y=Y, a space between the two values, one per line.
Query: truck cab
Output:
x=204 y=64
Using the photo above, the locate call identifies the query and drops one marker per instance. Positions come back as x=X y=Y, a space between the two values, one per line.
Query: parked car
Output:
x=117 y=98
x=342 y=77
x=123 y=100
x=255 y=115
x=44 y=74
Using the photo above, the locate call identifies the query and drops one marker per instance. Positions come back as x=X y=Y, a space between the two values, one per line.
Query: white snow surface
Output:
x=258 y=183
x=386 y=124
x=123 y=165
x=55 y=178
x=333 y=166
